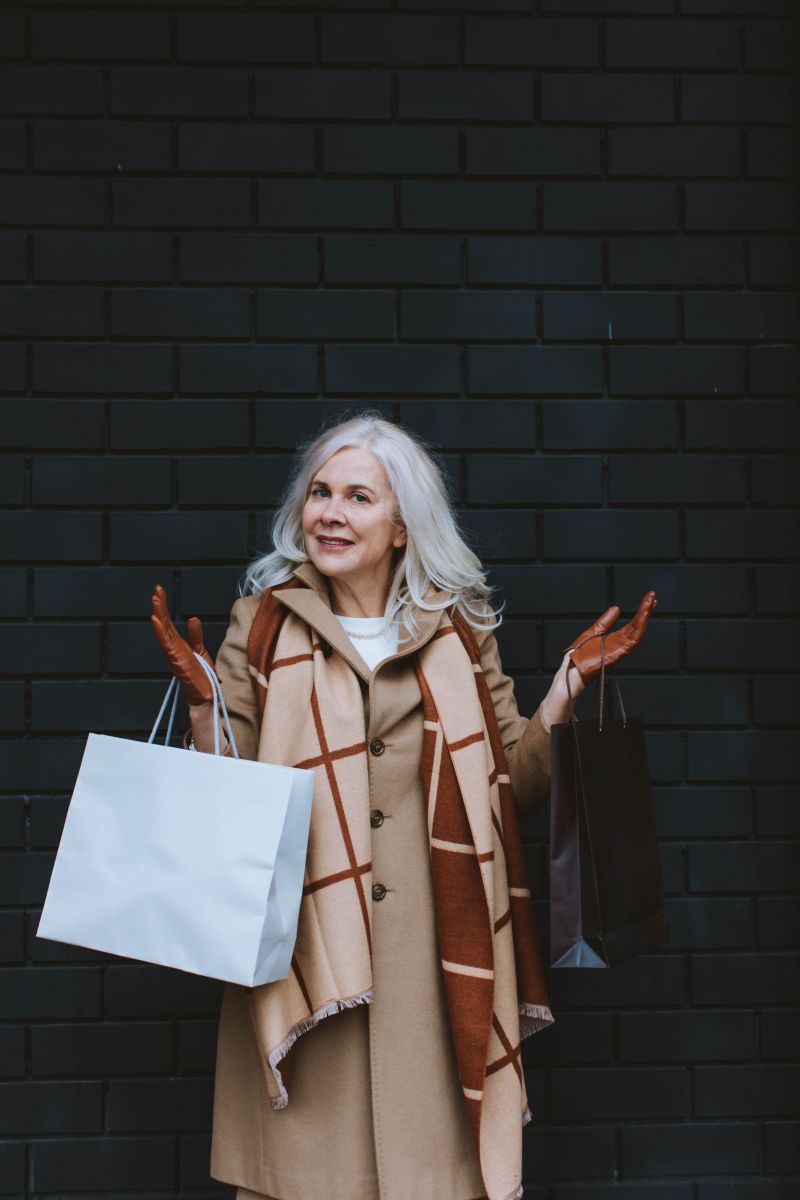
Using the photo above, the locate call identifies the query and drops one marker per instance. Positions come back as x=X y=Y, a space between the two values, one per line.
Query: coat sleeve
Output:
x=526 y=742
x=240 y=700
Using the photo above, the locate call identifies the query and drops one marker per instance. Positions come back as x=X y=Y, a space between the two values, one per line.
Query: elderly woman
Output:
x=387 y=1065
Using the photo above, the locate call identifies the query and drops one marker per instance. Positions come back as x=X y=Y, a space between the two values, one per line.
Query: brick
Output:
x=12 y=706
x=292 y=313
x=40 y=649
x=692 y=1036
x=703 y=812
x=663 y=479
x=324 y=203
x=680 y=261
x=51 y=1107
x=12 y=822
x=46 y=89
x=607 y=98
x=12 y=252
x=12 y=949
x=771 y=154
x=42 y=312
x=51 y=200
x=151 y=1105
x=621 y=534
x=63 y=1164
x=12 y=1057
x=391 y=259
x=527 y=479
x=774 y=370
x=463 y=423
x=519 y=42
x=532 y=260
x=768 y=45
x=603 y=316
x=179 y=424
x=505 y=151
x=738 y=98
x=748 y=1189
x=168 y=537
x=177 y=91
x=36 y=537
x=121 y=1047
x=12 y=144
x=329 y=95
x=47 y=817
x=386 y=149
x=672 y=43
x=745 y=754
x=51 y=424
x=463 y=315
x=740 y=206
x=209 y=590
x=742 y=424
x=780 y=1033
x=86 y=367
x=245 y=37
x=181 y=202
x=180 y=312
x=582 y=1153
x=581 y=1093
x=12 y=591
x=94 y=591
x=623 y=7
x=30 y=993
x=248 y=258
x=752 y=644
x=551 y=589
x=743 y=867
x=195 y=1159
x=613 y=206
x=721 y=316
x=658 y=651
x=153 y=992
x=781 y=1141
x=777 y=812
x=772 y=260
x=98 y=257
x=12 y=480
x=101 y=705
x=750 y=978
x=101 y=145
x=580 y=1037
x=621 y=424
x=675 y=370
x=530 y=370
x=746 y=534
x=688 y=700
x=12 y=33
x=197 y=1046
x=642 y=982
x=500 y=533
x=746 y=1091
x=245 y=148
x=777 y=588
x=465 y=96
x=100 y=35
x=684 y=587
x=391 y=369
x=25 y=878
x=235 y=370
x=701 y=1148
x=278 y=426
x=678 y=152
x=253 y=480
x=468 y=205
x=779 y=921
x=389 y=39
x=775 y=479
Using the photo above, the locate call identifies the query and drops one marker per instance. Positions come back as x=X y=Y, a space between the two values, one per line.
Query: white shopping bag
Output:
x=187 y=860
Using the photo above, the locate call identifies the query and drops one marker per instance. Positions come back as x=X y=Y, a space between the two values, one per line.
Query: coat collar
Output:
x=313 y=604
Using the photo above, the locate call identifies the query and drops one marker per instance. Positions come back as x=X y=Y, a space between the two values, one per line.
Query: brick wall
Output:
x=560 y=241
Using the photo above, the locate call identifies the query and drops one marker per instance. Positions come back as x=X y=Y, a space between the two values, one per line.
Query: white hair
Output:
x=436 y=550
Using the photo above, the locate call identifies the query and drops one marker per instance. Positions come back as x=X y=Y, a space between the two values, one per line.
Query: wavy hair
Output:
x=436 y=550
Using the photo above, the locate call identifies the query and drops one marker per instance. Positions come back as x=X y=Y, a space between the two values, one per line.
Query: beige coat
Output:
x=359 y=1126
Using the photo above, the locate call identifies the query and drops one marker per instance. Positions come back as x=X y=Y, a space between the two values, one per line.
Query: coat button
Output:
x=377 y=746
x=378 y=891
x=376 y=818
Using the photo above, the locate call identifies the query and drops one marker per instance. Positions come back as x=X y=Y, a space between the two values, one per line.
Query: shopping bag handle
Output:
x=572 y=716
x=219 y=699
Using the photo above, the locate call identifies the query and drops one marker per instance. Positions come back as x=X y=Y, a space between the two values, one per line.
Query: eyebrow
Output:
x=358 y=487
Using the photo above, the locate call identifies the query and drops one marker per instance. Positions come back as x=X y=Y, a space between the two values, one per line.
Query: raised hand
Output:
x=179 y=653
x=584 y=652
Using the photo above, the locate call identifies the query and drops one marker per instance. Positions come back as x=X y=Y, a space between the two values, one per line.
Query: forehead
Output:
x=352 y=464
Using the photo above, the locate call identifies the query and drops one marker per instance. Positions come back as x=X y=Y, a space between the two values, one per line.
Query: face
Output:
x=350 y=499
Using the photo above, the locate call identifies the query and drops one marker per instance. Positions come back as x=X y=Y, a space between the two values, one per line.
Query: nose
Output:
x=330 y=510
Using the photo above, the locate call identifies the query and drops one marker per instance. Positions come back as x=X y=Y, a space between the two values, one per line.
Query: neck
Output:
x=349 y=601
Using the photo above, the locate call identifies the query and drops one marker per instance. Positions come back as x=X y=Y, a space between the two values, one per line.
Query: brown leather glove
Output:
x=585 y=653
x=194 y=682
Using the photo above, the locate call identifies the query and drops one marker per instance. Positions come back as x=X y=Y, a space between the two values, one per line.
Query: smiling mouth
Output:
x=334 y=541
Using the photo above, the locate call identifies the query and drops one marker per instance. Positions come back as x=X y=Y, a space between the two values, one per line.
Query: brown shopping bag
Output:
x=606 y=891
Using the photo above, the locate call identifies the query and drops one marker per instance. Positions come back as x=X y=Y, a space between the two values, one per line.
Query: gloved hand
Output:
x=194 y=682
x=584 y=652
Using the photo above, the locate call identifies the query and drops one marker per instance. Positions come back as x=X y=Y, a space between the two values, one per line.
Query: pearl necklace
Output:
x=356 y=633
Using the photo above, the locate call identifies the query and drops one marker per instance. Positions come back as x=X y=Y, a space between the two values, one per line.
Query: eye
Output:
x=361 y=494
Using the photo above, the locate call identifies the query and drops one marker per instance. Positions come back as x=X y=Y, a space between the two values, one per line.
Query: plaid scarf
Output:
x=312 y=715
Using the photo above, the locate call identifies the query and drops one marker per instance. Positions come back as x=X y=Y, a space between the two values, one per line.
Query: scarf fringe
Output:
x=327 y=1010
x=533 y=1018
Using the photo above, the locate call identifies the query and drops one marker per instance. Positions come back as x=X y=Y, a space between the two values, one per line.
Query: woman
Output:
x=387 y=1065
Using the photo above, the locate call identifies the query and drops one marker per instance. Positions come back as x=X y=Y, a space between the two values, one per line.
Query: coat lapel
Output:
x=312 y=603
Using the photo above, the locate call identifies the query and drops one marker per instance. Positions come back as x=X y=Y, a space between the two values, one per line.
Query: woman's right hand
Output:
x=179 y=653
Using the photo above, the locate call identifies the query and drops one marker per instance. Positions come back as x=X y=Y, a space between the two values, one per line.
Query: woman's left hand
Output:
x=582 y=657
